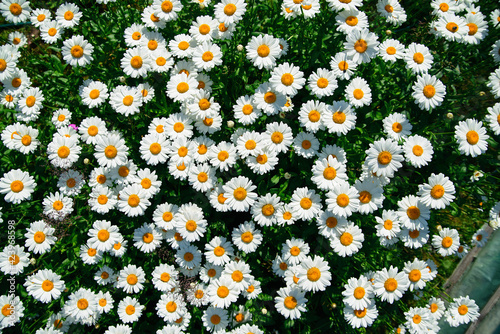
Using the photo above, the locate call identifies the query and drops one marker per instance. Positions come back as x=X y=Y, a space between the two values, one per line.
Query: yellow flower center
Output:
x=102 y=199
x=414 y=275
x=463 y=309
x=130 y=310
x=16 y=82
x=147 y=238
x=239 y=317
x=68 y=16
x=343 y=65
x=306 y=144
x=136 y=36
x=91 y=252
x=472 y=137
x=429 y=91
x=417 y=150
x=384 y=158
x=247 y=237
x=444 y=7
x=388 y=224
x=167 y=6
x=391 y=50
x=452 y=27
x=342 y=200
x=103 y=235
x=359 y=292
x=351 y=21
x=391 y=284
x=77 y=51
x=360 y=46
x=39 y=237
x=123 y=171
x=182 y=87
x=191 y=225
x=437 y=191
x=82 y=304
x=26 y=140
x=287 y=79
x=346 y=239
x=221 y=198
x=447 y=242
x=183 y=45
x=263 y=51
x=313 y=274
x=360 y=313
x=417 y=319
x=305 y=203
x=30 y=101
x=207 y=56
x=240 y=194
x=290 y=302
x=14 y=259
x=171 y=306
x=270 y=97
x=413 y=212
x=211 y=272
x=365 y=197
x=155 y=148
x=146 y=183
x=434 y=307
x=268 y=210
x=63 y=152
x=331 y=222
x=329 y=173
x=219 y=251
x=229 y=9
x=104 y=275
x=418 y=58
x=204 y=29
x=215 y=319
x=15 y=9
x=133 y=200
x=358 y=94
x=414 y=234
x=314 y=116
x=222 y=292
x=237 y=276
x=57 y=205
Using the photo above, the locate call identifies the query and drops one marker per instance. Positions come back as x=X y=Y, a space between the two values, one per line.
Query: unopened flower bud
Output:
x=288 y=176
x=264 y=310
x=333 y=305
x=33 y=261
x=449 y=115
x=202 y=5
x=282 y=115
x=122 y=79
x=230 y=124
x=388 y=32
x=481 y=93
x=86 y=161
x=239 y=47
x=439 y=228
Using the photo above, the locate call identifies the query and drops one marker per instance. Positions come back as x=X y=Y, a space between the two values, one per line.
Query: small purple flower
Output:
x=74 y=126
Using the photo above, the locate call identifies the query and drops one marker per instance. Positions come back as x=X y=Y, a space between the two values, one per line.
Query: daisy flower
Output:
x=63 y=151
x=129 y=310
x=361 y=318
x=371 y=196
x=202 y=105
x=82 y=304
x=437 y=308
x=418 y=150
x=384 y=157
x=105 y=275
x=390 y=285
x=462 y=251
x=190 y=223
x=493 y=118
x=246 y=237
x=167 y=10
x=338 y=5
x=15 y=11
x=245 y=111
x=124 y=174
x=418 y=274
x=110 y=150
x=19 y=81
x=397 y=126
x=161 y=61
x=13 y=260
x=278 y=137
x=494 y=82
x=358 y=293
x=391 y=50
x=181 y=87
x=215 y=319
x=102 y=199
x=428 y=92
x=207 y=55
x=188 y=256
x=305 y=203
x=287 y=79
x=339 y=118
x=203 y=29
x=480 y=238
x=134 y=35
x=7 y=64
x=136 y=62
x=349 y=20
x=388 y=225
x=25 y=140
x=361 y=45
x=92 y=128
x=438 y=193
x=290 y=302
x=478 y=29
x=418 y=58
x=322 y=82
x=419 y=320
x=447 y=242
x=77 y=51
x=343 y=66
x=61 y=117
x=294 y=251
x=392 y=11
x=103 y=235
x=268 y=100
x=44 y=286
x=7 y=100
x=327 y=172
x=170 y=307
x=39 y=237
x=263 y=50
x=68 y=15
x=57 y=322
x=134 y=200
x=90 y=255
x=152 y=21
x=414 y=238
x=463 y=310
x=358 y=92
x=131 y=279
x=441 y=7
x=329 y=224
x=306 y=145
x=311 y=115
x=164 y=277
x=343 y=200
x=51 y=31
x=154 y=148
x=239 y=193
x=218 y=251
x=314 y=274
x=182 y=46
x=253 y=290
x=471 y=137
x=451 y=27
x=495 y=51
x=412 y=212
x=148 y=181
x=57 y=206
x=348 y=241
x=125 y=100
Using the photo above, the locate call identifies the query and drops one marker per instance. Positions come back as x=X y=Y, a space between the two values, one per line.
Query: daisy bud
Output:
x=439 y=227
x=482 y=93
x=33 y=261
x=66 y=290
x=97 y=325
x=202 y=6
x=494 y=224
x=86 y=161
x=449 y=115
x=264 y=311
x=230 y=124
x=388 y=32
x=288 y=176
x=239 y=47
x=122 y=79
x=333 y=305
x=282 y=115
